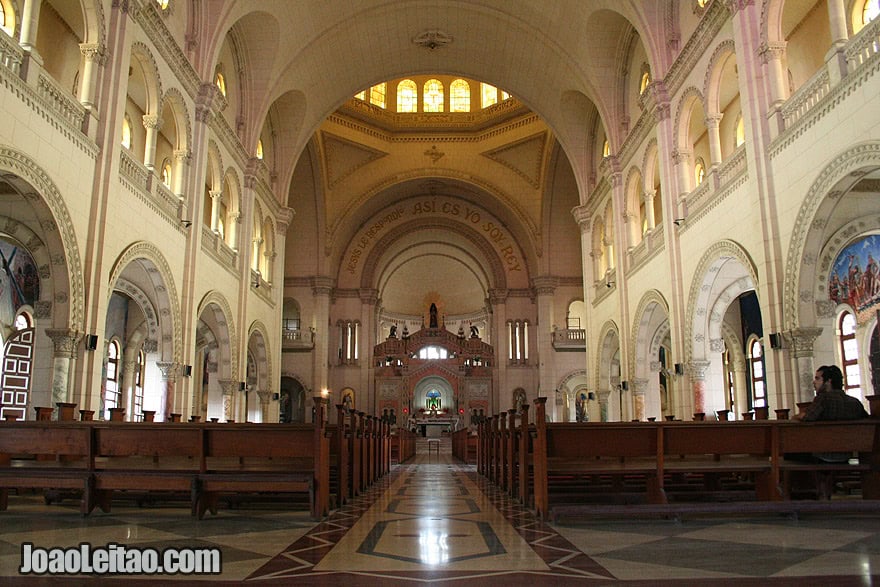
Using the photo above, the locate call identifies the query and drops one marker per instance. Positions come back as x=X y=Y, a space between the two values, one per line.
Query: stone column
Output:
x=265 y=398
x=739 y=385
x=640 y=387
x=65 y=343
x=30 y=21
x=835 y=59
x=685 y=171
x=545 y=287
x=648 y=199
x=498 y=318
x=255 y=259
x=228 y=386
x=216 y=199
x=152 y=123
x=127 y=387
x=772 y=54
x=697 y=371
x=181 y=162
x=169 y=378
x=369 y=300
x=801 y=342
x=603 y=405
x=233 y=230
x=582 y=217
x=91 y=53
x=322 y=287
x=713 y=123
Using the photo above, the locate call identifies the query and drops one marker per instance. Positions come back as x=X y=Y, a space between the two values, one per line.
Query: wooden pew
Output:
x=145 y=457
x=69 y=444
x=340 y=456
x=860 y=438
x=570 y=456
x=254 y=458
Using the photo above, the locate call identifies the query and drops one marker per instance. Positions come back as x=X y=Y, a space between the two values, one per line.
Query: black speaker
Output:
x=775 y=340
x=242 y=386
x=187 y=370
x=679 y=369
x=91 y=342
x=276 y=396
x=624 y=385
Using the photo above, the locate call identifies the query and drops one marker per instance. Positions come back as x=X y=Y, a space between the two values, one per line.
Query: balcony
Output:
x=570 y=339
x=297 y=341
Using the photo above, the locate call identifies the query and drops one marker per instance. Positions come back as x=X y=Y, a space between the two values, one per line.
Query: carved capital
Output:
x=228 y=386
x=91 y=51
x=648 y=196
x=64 y=340
x=498 y=296
x=152 y=121
x=545 y=285
x=697 y=369
x=169 y=370
x=582 y=217
x=716 y=345
x=182 y=155
x=369 y=296
x=640 y=386
x=801 y=340
x=713 y=120
x=771 y=51
x=681 y=156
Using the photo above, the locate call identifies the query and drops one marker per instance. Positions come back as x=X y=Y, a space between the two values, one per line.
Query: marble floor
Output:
x=434 y=521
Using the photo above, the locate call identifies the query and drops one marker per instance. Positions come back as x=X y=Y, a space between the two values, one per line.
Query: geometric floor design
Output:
x=433 y=521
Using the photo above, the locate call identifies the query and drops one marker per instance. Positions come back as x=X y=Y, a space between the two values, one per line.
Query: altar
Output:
x=435 y=427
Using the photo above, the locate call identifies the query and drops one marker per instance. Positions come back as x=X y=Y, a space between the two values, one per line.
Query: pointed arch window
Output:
x=871 y=11
x=434 y=96
x=220 y=82
x=126 y=131
x=111 y=382
x=166 y=173
x=849 y=353
x=377 y=95
x=699 y=171
x=460 y=96
x=349 y=341
x=407 y=96
x=140 y=366
x=756 y=373
x=518 y=341
x=606 y=149
x=740 y=131
x=644 y=82
x=260 y=149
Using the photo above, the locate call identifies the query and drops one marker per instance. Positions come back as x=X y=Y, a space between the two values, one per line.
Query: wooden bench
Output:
x=69 y=467
x=144 y=458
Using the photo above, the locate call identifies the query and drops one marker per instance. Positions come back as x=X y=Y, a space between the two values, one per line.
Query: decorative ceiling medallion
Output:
x=432 y=39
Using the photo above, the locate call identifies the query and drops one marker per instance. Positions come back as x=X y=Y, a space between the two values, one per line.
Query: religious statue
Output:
x=393 y=333
x=433 y=316
x=475 y=332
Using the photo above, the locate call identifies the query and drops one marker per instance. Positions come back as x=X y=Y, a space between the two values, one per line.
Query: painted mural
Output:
x=855 y=276
x=19 y=281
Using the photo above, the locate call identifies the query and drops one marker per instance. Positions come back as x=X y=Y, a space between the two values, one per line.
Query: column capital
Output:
x=498 y=296
x=734 y=6
x=697 y=369
x=153 y=121
x=265 y=396
x=640 y=386
x=801 y=340
x=65 y=341
x=545 y=285
x=648 y=196
x=368 y=295
x=322 y=286
x=169 y=370
x=227 y=385
x=713 y=120
x=681 y=156
x=215 y=194
x=183 y=155
x=582 y=217
x=771 y=50
x=93 y=52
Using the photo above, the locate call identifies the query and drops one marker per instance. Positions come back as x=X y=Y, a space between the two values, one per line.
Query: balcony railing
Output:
x=293 y=341
x=570 y=339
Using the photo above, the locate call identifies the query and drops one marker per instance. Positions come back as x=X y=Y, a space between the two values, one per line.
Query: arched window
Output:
x=111 y=384
x=23 y=321
x=260 y=149
x=871 y=11
x=644 y=82
x=377 y=95
x=434 y=96
x=138 y=400
x=460 y=96
x=849 y=353
x=518 y=341
x=740 y=131
x=7 y=22
x=163 y=4
x=126 y=131
x=166 y=173
x=433 y=353
x=349 y=341
x=606 y=149
x=756 y=372
x=220 y=81
x=362 y=95
x=407 y=96
x=699 y=171
x=488 y=95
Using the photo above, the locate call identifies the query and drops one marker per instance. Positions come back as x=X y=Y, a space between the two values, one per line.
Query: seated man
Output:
x=831 y=403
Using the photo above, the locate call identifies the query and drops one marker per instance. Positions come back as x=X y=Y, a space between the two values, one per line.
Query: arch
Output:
x=142 y=299
x=712 y=80
x=609 y=345
x=258 y=344
x=214 y=177
x=702 y=323
x=141 y=54
x=650 y=330
x=35 y=185
x=683 y=113
x=164 y=294
x=176 y=101
x=216 y=303
x=801 y=307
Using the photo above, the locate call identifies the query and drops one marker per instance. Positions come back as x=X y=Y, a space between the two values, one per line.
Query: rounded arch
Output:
x=712 y=82
x=650 y=331
x=258 y=344
x=163 y=292
x=689 y=98
x=142 y=55
x=609 y=346
x=65 y=266
x=93 y=20
x=175 y=100
x=214 y=176
x=724 y=272
x=215 y=304
x=801 y=307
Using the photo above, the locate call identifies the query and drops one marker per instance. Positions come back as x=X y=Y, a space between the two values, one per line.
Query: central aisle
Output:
x=429 y=520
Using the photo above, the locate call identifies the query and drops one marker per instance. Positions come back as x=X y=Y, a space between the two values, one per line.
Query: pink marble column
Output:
x=169 y=377
x=697 y=372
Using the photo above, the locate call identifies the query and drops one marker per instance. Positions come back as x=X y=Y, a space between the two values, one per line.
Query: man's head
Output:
x=827 y=377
